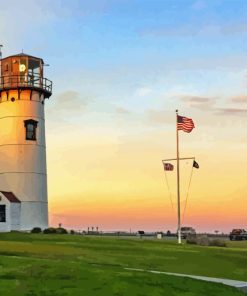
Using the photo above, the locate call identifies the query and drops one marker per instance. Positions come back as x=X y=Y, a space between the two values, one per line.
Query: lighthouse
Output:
x=23 y=173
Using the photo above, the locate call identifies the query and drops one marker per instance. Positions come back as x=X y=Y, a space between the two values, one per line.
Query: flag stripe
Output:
x=185 y=124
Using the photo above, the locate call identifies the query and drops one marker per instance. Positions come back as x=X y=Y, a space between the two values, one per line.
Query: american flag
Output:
x=168 y=166
x=185 y=124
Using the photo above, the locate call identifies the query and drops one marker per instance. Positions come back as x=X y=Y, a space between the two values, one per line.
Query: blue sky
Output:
x=129 y=43
x=120 y=69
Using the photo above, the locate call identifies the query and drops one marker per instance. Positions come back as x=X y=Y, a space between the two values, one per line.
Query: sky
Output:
x=120 y=69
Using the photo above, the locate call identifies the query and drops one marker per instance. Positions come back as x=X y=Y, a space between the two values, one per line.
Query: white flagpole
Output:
x=178 y=181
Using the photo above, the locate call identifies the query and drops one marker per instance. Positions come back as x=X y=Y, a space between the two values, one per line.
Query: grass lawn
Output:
x=37 y=264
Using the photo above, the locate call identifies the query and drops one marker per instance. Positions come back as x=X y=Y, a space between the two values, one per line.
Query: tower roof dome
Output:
x=22 y=54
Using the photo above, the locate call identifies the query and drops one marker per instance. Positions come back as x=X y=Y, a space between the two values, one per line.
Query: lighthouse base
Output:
x=21 y=215
x=33 y=214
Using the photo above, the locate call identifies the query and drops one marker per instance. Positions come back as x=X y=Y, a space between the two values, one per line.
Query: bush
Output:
x=202 y=240
x=72 y=231
x=217 y=243
x=53 y=230
x=61 y=230
x=36 y=230
x=49 y=230
x=191 y=239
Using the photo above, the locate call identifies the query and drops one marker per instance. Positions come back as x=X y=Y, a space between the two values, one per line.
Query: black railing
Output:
x=26 y=81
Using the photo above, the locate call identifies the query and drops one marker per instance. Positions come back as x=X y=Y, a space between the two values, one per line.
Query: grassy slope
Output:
x=71 y=265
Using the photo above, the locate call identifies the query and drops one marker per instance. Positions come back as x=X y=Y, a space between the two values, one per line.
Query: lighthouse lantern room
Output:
x=23 y=175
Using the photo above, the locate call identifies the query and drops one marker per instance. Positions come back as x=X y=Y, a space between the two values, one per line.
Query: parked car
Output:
x=186 y=231
x=238 y=234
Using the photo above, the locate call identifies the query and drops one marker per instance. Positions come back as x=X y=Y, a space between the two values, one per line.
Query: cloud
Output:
x=121 y=110
x=68 y=101
x=198 y=102
x=195 y=99
x=208 y=104
x=71 y=100
x=231 y=111
x=240 y=99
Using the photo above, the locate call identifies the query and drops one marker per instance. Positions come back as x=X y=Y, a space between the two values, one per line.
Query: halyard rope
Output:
x=187 y=195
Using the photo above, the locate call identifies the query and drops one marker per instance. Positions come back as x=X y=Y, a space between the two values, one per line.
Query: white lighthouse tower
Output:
x=23 y=175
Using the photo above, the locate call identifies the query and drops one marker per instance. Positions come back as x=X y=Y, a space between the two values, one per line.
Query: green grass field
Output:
x=37 y=264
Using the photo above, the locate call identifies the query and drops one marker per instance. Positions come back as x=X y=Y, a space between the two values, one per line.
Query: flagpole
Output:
x=178 y=181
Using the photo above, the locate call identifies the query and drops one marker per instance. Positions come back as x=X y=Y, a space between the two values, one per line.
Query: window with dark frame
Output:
x=2 y=213
x=31 y=126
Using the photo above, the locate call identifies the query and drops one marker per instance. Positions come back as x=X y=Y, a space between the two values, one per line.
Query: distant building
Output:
x=23 y=176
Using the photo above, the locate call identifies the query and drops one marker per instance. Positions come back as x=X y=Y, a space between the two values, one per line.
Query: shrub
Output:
x=191 y=239
x=61 y=230
x=36 y=230
x=58 y=230
x=72 y=231
x=217 y=243
x=49 y=230
x=202 y=240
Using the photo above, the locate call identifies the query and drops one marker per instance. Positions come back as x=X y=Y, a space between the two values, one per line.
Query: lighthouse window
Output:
x=34 y=67
x=6 y=67
x=31 y=126
x=2 y=213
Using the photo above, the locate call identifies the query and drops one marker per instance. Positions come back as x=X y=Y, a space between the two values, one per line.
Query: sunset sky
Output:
x=120 y=68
